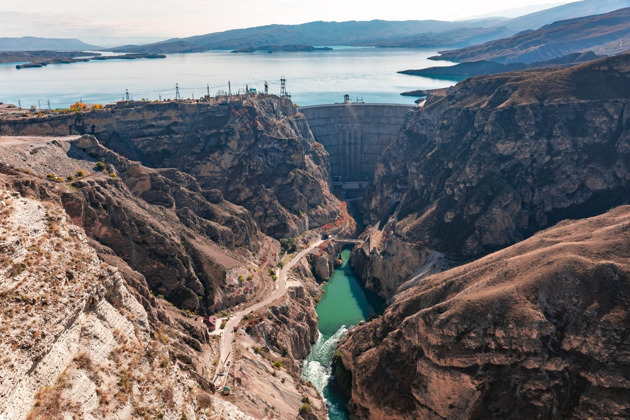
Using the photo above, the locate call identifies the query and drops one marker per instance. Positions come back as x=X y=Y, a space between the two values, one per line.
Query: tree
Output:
x=288 y=245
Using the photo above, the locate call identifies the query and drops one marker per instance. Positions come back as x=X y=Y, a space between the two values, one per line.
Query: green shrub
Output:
x=101 y=166
x=70 y=178
x=277 y=364
x=288 y=245
x=80 y=173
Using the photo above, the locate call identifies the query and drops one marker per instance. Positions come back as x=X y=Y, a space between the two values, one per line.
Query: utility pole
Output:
x=19 y=104
x=39 y=105
x=229 y=88
x=208 y=89
x=49 y=104
x=266 y=88
x=177 y=97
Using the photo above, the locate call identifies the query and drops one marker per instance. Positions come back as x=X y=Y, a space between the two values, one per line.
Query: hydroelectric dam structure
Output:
x=355 y=135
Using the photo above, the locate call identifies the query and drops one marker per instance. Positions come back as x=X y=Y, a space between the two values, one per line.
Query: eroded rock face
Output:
x=77 y=340
x=259 y=153
x=180 y=238
x=324 y=260
x=500 y=157
x=537 y=330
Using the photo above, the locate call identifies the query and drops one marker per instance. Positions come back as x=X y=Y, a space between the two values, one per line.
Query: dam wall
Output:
x=355 y=134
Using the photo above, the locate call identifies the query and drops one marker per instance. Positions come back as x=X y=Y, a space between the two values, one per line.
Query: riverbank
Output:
x=345 y=303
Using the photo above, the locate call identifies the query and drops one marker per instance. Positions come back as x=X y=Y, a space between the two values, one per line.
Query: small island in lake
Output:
x=37 y=59
x=282 y=48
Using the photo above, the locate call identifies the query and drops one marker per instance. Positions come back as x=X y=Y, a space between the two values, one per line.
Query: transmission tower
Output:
x=266 y=88
x=126 y=94
x=49 y=104
x=229 y=88
x=283 y=87
x=208 y=90
x=177 y=97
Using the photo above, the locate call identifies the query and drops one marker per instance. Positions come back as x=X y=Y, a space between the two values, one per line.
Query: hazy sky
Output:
x=179 y=18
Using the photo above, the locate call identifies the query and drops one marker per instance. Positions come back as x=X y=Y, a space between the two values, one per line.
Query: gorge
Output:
x=184 y=209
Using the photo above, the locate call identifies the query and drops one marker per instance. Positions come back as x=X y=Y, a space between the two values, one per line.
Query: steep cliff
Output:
x=537 y=330
x=77 y=341
x=183 y=240
x=258 y=152
x=500 y=157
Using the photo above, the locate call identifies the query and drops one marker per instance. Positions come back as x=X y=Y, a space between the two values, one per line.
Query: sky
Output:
x=138 y=20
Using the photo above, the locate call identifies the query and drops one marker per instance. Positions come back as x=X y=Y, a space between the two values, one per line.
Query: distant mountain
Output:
x=477 y=68
x=566 y=11
x=471 y=36
x=313 y=33
x=29 y=43
x=607 y=34
x=412 y=33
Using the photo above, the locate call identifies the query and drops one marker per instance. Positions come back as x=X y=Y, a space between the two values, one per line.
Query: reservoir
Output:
x=345 y=303
x=313 y=78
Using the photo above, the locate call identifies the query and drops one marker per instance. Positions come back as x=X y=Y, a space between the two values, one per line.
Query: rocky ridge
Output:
x=538 y=330
x=257 y=151
x=171 y=236
x=76 y=340
x=500 y=157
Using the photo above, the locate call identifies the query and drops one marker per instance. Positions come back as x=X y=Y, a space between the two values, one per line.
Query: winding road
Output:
x=226 y=354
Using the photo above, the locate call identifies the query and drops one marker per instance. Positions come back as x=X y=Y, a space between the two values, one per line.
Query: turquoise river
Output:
x=345 y=303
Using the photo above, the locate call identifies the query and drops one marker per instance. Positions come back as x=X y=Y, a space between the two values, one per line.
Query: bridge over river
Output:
x=355 y=135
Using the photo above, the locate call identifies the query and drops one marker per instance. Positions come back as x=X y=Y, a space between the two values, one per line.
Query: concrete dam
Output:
x=355 y=135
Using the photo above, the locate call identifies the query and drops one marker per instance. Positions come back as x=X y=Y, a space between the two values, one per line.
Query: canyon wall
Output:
x=258 y=152
x=538 y=330
x=501 y=157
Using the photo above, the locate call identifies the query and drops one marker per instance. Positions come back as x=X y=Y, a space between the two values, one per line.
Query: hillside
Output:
x=506 y=28
x=136 y=252
x=495 y=159
x=537 y=330
x=411 y=33
x=29 y=43
x=312 y=33
x=607 y=34
x=478 y=68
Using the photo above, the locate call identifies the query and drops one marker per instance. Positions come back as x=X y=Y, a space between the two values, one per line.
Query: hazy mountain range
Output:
x=606 y=34
x=29 y=43
x=412 y=33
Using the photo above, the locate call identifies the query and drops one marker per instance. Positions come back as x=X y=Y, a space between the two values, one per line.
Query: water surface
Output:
x=345 y=303
x=312 y=77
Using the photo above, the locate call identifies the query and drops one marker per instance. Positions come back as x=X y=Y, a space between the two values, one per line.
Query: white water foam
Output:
x=317 y=366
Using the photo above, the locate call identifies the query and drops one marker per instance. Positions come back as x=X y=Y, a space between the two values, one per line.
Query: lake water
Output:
x=312 y=78
x=345 y=303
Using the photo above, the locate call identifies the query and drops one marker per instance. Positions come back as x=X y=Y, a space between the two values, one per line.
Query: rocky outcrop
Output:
x=324 y=260
x=500 y=157
x=181 y=238
x=258 y=152
x=76 y=341
x=537 y=330
x=385 y=261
